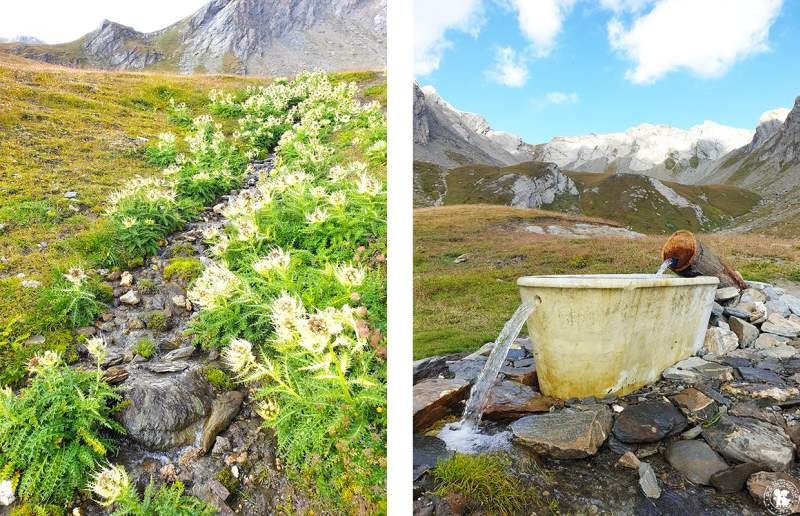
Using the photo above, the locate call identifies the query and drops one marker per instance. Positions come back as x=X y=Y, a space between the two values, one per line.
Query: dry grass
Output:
x=460 y=306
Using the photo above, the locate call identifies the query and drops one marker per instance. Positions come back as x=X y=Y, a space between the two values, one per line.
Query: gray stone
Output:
x=726 y=294
x=696 y=460
x=778 y=307
x=466 y=369
x=222 y=445
x=179 y=354
x=428 y=450
x=223 y=410
x=648 y=422
x=36 y=340
x=428 y=367
x=70 y=195
x=696 y=370
x=745 y=332
x=793 y=303
x=648 y=481
x=779 y=326
x=134 y=323
x=719 y=341
x=754 y=374
x=733 y=480
x=768 y=340
x=167 y=367
x=749 y=440
x=783 y=352
x=571 y=433
x=130 y=298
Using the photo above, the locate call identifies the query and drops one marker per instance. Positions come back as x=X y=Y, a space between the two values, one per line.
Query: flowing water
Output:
x=664 y=266
x=465 y=435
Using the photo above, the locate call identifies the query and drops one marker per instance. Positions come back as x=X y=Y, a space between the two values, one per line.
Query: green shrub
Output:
x=55 y=430
x=483 y=480
x=179 y=114
x=184 y=269
x=163 y=153
x=145 y=348
x=117 y=493
x=70 y=299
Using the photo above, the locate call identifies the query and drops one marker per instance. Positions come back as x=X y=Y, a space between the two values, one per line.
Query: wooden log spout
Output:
x=690 y=258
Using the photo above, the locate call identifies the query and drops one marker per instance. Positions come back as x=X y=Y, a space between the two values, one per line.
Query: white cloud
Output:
x=556 y=98
x=432 y=20
x=620 y=6
x=540 y=21
x=705 y=37
x=509 y=69
x=61 y=21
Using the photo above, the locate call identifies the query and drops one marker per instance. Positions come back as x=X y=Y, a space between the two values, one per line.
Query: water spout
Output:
x=669 y=262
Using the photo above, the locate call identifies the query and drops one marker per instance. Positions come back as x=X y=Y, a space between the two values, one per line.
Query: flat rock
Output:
x=115 y=375
x=571 y=433
x=754 y=374
x=768 y=340
x=509 y=400
x=782 y=352
x=167 y=367
x=775 y=491
x=696 y=406
x=165 y=411
x=179 y=354
x=760 y=390
x=648 y=422
x=752 y=295
x=745 y=332
x=696 y=460
x=750 y=440
x=648 y=481
x=434 y=399
x=223 y=410
x=523 y=374
x=778 y=307
x=466 y=369
x=719 y=341
x=428 y=450
x=777 y=325
x=696 y=370
x=733 y=480
x=755 y=410
x=792 y=302
x=726 y=294
x=428 y=367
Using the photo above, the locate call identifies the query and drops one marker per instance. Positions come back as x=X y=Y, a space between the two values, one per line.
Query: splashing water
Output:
x=465 y=436
x=667 y=263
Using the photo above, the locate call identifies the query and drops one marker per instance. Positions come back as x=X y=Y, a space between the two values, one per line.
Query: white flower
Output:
x=337 y=173
x=128 y=222
x=286 y=309
x=317 y=216
x=277 y=259
x=7 y=493
x=338 y=198
x=366 y=184
x=110 y=484
x=349 y=275
x=215 y=285
x=75 y=275
x=317 y=329
x=239 y=356
x=6 y=392
x=97 y=348
x=318 y=192
x=41 y=363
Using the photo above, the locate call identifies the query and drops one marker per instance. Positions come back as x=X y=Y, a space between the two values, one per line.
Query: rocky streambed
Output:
x=185 y=420
x=708 y=438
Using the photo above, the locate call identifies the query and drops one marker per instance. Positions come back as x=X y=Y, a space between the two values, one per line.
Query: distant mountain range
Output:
x=765 y=161
x=265 y=37
x=21 y=39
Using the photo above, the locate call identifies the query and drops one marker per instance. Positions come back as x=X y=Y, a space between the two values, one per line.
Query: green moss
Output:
x=376 y=92
x=145 y=348
x=183 y=269
x=226 y=478
x=156 y=320
x=219 y=378
x=183 y=250
x=485 y=482
x=147 y=286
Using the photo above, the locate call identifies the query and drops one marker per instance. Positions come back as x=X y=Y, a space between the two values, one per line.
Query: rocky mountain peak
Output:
x=768 y=124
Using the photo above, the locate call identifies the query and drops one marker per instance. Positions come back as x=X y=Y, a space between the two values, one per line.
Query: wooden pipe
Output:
x=690 y=259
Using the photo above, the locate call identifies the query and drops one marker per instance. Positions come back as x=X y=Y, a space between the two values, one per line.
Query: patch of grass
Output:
x=145 y=348
x=458 y=307
x=157 y=320
x=485 y=482
x=146 y=286
x=183 y=269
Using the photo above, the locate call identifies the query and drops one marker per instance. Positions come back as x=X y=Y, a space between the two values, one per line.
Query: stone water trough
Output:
x=608 y=335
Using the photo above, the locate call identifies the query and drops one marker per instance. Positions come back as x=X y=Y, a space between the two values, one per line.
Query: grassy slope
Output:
x=460 y=306
x=76 y=130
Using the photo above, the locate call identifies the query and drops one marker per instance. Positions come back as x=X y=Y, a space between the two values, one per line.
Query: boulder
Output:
x=571 y=433
x=509 y=400
x=435 y=398
x=744 y=439
x=648 y=422
x=696 y=460
x=745 y=332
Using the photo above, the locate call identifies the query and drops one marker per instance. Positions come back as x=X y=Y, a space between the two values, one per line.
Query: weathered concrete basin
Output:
x=600 y=335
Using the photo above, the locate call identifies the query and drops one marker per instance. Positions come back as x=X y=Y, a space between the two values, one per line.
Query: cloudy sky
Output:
x=59 y=21
x=542 y=68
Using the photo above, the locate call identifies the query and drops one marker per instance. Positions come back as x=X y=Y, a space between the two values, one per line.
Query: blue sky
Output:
x=564 y=78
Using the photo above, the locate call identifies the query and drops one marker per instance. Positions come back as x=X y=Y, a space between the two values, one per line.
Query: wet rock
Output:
x=467 y=369
x=165 y=411
x=525 y=374
x=428 y=451
x=745 y=332
x=179 y=354
x=629 y=460
x=648 y=481
x=696 y=460
x=571 y=433
x=223 y=410
x=733 y=480
x=483 y=351
x=754 y=374
x=428 y=368
x=648 y=422
x=435 y=398
x=720 y=341
x=695 y=405
x=726 y=294
x=509 y=400
x=696 y=370
x=779 y=491
x=126 y=280
x=130 y=298
x=749 y=440
x=767 y=340
x=777 y=325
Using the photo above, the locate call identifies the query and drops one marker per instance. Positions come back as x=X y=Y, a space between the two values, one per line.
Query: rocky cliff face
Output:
x=266 y=37
x=447 y=137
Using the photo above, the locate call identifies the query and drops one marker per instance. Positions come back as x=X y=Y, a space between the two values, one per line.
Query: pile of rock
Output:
x=728 y=418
